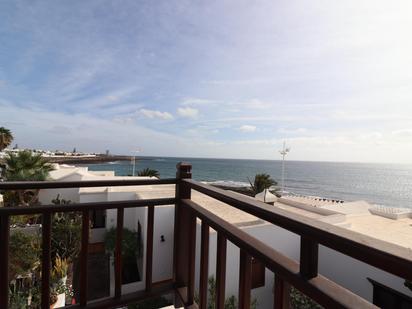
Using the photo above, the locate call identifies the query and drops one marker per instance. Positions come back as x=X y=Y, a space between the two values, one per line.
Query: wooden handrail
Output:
x=386 y=256
x=321 y=289
x=15 y=211
x=25 y=185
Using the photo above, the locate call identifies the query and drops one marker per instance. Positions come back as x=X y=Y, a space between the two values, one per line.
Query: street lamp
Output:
x=283 y=153
x=134 y=161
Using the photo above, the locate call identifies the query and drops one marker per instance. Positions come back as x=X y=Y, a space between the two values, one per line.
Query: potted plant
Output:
x=59 y=279
x=59 y=272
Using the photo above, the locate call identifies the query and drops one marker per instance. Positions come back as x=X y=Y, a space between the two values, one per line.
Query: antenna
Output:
x=283 y=153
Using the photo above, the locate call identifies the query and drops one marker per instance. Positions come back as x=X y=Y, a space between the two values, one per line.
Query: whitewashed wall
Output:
x=163 y=251
x=72 y=194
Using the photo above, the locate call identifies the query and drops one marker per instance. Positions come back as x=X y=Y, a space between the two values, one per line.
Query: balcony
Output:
x=303 y=275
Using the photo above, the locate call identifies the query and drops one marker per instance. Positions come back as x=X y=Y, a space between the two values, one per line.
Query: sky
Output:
x=225 y=79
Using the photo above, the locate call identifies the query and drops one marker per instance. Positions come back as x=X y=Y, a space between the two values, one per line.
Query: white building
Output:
x=391 y=226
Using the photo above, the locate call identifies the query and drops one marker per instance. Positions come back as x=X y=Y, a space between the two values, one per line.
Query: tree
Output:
x=148 y=172
x=6 y=137
x=261 y=182
x=26 y=166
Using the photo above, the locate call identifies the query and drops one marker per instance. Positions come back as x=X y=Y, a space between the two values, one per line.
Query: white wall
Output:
x=96 y=235
x=47 y=195
x=163 y=251
x=72 y=194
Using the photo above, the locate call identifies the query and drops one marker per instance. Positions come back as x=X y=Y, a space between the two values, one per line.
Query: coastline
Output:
x=87 y=160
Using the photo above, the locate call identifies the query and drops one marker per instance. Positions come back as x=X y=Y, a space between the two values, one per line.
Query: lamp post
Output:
x=283 y=153
x=134 y=161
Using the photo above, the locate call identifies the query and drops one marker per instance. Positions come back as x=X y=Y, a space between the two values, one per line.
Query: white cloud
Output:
x=405 y=133
x=197 y=101
x=112 y=98
x=293 y=131
x=247 y=128
x=188 y=112
x=152 y=114
x=255 y=104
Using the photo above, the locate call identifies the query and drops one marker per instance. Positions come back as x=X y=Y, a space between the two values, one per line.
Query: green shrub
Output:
x=301 y=301
x=24 y=253
x=131 y=243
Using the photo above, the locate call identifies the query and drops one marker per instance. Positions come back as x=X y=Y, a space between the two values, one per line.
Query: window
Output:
x=98 y=219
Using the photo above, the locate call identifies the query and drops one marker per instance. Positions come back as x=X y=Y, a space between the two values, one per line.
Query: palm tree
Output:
x=6 y=137
x=26 y=166
x=261 y=182
x=148 y=172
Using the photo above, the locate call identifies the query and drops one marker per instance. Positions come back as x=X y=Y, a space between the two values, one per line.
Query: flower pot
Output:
x=61 y=301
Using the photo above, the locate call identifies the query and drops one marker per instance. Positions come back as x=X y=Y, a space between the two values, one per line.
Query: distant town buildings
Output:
x=48 y=153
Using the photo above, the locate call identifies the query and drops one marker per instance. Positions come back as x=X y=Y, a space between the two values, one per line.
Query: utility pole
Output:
x=283 y=153
x=134 y=161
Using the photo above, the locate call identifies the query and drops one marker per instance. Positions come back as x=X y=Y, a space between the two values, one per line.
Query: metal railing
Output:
x=303 y=274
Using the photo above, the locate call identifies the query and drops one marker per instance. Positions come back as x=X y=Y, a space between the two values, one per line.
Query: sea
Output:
x=382 y=184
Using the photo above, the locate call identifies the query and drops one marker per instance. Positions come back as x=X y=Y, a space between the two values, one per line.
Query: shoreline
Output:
x=87 y=160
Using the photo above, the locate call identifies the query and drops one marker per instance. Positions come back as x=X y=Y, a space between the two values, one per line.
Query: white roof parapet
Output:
x=391 y=212
x=266 y=196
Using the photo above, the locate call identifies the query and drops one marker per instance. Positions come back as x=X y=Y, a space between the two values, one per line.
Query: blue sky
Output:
x=210 y=78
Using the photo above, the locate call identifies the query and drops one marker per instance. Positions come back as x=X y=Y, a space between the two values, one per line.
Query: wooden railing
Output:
x=152 y=289
x=303 y=274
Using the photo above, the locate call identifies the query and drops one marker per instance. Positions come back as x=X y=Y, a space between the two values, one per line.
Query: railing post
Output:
x=118 y=254
x=4 y=261
x=46 y=261
x=185 y=227
x=220 y=271
x=204 y=266
x=245 y=279
x=84 y=253
x=281 y=292
x=308 y=258
x=149 y=248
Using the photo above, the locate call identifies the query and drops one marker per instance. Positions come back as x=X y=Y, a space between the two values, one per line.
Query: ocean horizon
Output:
x=377 y=183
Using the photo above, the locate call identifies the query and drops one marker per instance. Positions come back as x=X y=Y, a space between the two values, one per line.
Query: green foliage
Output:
x=66 y=233
x=25 y=251
x=230 y=302
x=131 y=244
x=25 y=166
x=18 y=300
x=60 y=268
x=6 y=137
x=149 y=173
x=301 y=301
x=261 y=182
